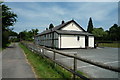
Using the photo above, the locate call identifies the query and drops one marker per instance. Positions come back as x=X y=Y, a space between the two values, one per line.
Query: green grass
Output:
x=115 y=45
x=43 y=67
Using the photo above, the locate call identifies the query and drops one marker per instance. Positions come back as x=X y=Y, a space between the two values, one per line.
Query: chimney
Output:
x=63 y=22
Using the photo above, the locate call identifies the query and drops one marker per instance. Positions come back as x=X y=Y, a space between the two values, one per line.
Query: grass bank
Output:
x=43 y=67
x=114 y=45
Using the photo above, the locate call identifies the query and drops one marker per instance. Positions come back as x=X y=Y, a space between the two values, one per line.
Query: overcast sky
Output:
x=32 y=15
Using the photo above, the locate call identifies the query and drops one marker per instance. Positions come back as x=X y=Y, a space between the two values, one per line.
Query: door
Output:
x=86 y=41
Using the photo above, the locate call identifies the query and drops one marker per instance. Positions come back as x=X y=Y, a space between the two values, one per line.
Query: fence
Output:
x=73 y=71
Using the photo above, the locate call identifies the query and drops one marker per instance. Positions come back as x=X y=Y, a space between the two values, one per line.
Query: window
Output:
x=78 y=38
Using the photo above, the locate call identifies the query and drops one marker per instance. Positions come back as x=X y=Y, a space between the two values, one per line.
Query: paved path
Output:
x=14 y=64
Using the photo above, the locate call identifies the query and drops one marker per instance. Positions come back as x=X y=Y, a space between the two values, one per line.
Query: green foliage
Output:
x=8 y=19
x=114 y=32
x=90 y=26
x=99 y=33
x=28 y=35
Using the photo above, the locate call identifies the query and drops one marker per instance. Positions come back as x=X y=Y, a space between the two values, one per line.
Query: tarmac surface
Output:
x=14 y=64
x=108 y=56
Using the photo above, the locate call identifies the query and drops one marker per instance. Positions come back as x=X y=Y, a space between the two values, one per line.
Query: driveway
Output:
x=14 y=64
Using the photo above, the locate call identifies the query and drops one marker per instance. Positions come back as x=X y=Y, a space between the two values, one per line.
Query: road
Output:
x=14 y=64
x=108 y=56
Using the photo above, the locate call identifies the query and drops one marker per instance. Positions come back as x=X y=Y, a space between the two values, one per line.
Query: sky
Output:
x=32 y=15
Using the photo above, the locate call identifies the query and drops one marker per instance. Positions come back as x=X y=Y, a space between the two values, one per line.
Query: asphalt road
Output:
x=14 y=64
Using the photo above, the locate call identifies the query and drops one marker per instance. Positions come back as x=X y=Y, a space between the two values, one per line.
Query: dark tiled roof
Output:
x=73 y=32
x=57 y=29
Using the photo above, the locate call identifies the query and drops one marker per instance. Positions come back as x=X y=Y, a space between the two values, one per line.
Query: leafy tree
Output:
x=8 y=19
x=90 y=26
x=51 y=26
x=99 y=33
x=28 y=35
x=35 y=31
x=115 y=32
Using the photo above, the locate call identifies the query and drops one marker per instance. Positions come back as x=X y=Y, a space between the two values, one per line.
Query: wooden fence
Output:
x=73 y=71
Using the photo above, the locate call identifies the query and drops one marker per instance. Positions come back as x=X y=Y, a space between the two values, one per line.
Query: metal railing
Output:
x=73 y=71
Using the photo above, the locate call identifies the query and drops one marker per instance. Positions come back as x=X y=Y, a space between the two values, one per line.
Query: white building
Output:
x=66 y=35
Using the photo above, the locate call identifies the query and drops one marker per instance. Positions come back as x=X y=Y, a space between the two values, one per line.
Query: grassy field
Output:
x=43 y=67
x=114 y=45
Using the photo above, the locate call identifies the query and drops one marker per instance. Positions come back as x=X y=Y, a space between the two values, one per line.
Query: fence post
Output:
x=75 y=66
x=43 y=52
x=54 y=58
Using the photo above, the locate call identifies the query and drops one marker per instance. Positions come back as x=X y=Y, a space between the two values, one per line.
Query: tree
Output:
x=90 y=26
x=8 y=19
x=99 y=33
x=28 y=35
x=114 y=32
x=35 y=31
x=51 y=26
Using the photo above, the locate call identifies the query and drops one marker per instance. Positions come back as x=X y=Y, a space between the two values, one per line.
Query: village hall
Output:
x=67 y=35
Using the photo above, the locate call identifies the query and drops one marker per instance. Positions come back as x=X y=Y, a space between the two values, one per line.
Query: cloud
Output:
x=41 y=14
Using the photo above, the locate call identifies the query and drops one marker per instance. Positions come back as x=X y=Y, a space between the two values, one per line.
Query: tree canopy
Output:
x=90 y=26
x=114 y=32
x=99 y=33
x=28 y=35
x=51 y=26
x=8 y=19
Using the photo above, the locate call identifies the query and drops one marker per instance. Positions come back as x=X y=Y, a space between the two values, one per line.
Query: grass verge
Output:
x=43 y=67
x=114 y=45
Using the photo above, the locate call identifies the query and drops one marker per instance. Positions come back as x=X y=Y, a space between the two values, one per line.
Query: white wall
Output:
x=72 y=26
x=91 y=41
x=82 y=41
x=70 y=41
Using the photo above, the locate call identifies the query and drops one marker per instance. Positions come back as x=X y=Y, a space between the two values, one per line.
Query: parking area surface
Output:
x=108 y=56
x=105 y=55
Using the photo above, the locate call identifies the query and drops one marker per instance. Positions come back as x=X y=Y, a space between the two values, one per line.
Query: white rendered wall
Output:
x=70 y=41
x=72 y=26
x=82 y=41
x=91 y=41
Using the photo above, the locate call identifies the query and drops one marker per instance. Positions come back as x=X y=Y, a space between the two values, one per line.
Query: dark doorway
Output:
x=86 y=41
